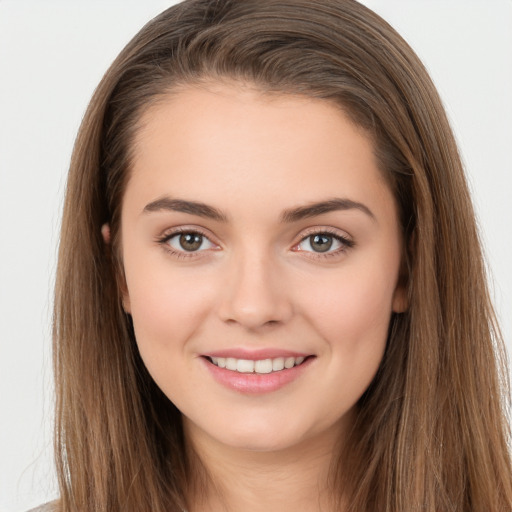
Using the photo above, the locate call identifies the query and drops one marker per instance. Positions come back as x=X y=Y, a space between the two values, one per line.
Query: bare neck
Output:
x=294 y=478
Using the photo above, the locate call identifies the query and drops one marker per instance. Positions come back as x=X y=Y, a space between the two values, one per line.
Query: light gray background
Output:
x=53 y=53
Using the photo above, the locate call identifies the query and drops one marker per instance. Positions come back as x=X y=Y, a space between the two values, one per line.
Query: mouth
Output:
x=257 y=373
x=258 y=366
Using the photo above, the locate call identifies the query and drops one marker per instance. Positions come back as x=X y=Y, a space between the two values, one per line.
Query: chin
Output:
x=257 y=436
x=262 y=442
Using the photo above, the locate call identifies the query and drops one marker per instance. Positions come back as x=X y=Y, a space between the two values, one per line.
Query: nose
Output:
x=255 y=293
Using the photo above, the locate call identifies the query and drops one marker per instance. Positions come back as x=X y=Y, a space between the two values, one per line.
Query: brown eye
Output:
x=321 y=242
x=190 y=241
x=324 y=243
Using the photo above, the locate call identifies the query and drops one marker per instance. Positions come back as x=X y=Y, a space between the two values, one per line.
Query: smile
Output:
x=261 y=366
x=256 y=372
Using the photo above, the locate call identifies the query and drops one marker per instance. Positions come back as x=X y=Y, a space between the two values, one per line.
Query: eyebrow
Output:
x=331 y=205
x=180 y=205
x=288 y=216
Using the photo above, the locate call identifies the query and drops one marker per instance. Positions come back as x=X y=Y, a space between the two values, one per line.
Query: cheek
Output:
x=166 y=307
x=351 y=311
x=353 y=308
x=353 y=321
x=167 y=310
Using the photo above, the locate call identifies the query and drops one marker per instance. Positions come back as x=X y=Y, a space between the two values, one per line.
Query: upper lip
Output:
x=255 y=355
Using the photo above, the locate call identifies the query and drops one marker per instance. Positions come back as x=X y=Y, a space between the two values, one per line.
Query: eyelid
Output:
x=342 y=237
x=328 y=230
x=170 y=233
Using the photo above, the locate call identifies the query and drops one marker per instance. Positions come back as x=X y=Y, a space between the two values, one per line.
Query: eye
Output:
x=324 y=242
x=188 y=241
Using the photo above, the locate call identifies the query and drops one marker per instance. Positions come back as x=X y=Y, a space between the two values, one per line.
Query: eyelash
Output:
x=345 y=242
x=164 y=242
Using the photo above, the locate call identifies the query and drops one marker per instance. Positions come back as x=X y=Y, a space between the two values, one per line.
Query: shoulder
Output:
x=47 y=507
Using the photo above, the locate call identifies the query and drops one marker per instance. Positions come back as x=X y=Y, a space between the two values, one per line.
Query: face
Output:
x=261 y=248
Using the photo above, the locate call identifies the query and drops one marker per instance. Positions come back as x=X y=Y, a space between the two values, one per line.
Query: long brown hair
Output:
x=431 y=432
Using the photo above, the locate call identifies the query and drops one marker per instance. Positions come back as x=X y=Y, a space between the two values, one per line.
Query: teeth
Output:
x=278 y=364
x=231 y=363
x=259 y=366
x=244 y=366
x=263 y=366
x=289 y=362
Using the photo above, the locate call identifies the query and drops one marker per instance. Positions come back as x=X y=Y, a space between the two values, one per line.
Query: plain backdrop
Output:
x=52 y=55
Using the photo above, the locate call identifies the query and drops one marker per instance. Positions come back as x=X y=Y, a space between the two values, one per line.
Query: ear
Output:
x=126 y=301
x=125 y=297
x=105 y=233
x=400 y=302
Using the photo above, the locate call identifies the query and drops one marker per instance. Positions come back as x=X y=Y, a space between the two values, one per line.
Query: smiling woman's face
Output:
x=261 y=248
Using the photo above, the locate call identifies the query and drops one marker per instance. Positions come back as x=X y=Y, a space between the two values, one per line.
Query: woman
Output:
x=270 y=291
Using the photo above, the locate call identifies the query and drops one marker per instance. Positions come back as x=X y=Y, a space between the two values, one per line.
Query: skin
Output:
x=256 y=281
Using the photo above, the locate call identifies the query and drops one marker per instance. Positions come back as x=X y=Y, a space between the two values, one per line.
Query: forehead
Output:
x=228 y=140
x=213 y=111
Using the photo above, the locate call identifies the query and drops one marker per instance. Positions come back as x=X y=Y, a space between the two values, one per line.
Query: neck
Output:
x=231 y=479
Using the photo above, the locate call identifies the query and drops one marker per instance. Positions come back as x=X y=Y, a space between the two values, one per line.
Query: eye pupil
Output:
x=321 y=243
x=191 y=241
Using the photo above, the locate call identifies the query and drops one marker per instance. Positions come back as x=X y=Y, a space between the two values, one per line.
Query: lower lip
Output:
x=256 y=383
